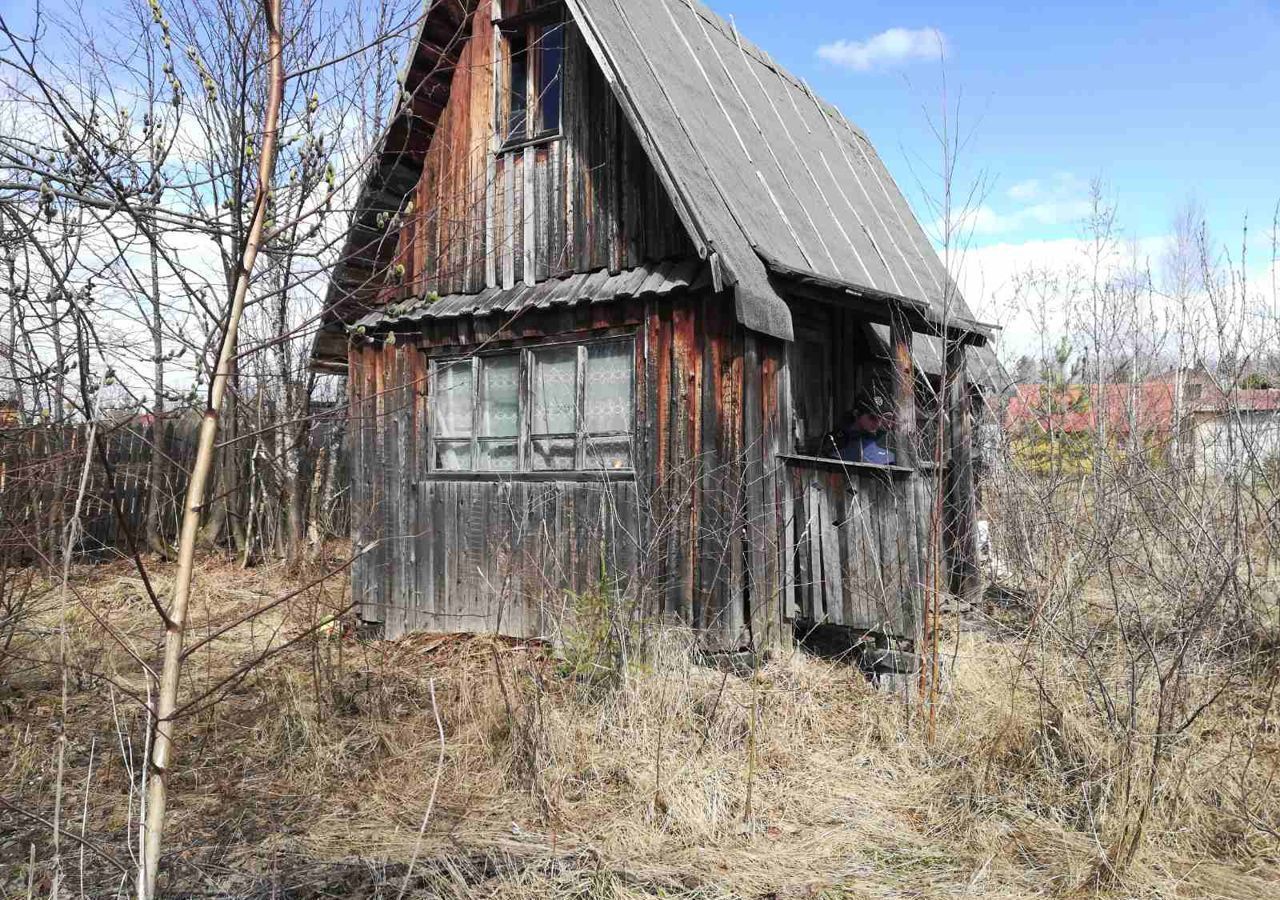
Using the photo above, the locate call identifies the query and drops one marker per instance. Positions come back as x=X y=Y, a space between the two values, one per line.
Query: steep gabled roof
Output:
x=775 y=178
x=771 y=182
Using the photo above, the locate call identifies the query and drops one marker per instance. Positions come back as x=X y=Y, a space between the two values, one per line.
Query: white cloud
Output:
x=888 y=48
x=1060 y=199
x=1025 y=190
x=984 y=221
x=989 y=277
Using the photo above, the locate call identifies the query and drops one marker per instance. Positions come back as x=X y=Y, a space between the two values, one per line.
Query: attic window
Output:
x=531 y=60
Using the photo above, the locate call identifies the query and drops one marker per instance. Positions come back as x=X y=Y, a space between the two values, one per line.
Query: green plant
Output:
x=596 y=634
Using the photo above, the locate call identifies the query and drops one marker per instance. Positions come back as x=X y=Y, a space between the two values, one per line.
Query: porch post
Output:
x=962 y=567
x=904 y=390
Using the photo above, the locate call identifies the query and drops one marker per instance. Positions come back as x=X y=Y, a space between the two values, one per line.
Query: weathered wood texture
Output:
x=585 y=200
x=831 y=360
x=857 y=547
x=715 y=529
x=693 y=536
x=959 y=508
x=40 y=469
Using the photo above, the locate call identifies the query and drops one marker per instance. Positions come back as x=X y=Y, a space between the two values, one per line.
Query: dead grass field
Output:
x=309 y=776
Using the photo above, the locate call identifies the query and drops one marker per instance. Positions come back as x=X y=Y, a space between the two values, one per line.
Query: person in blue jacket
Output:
x=864 y=436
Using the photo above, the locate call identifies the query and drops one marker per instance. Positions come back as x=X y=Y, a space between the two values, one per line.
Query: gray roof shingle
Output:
x=774 y=177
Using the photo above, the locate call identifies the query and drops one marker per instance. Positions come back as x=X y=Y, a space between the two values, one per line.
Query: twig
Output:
x=13 y=807
x=431 y=802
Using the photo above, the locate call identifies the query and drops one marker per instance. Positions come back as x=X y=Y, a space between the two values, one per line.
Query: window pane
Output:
x=498 y=456
x=517 y=84
x=452 y=456
x=550 y=64
x=609 y=453
x=452 y=401
x=500 y=396
x=555 y=455
x=608 y=401
x=555 y=391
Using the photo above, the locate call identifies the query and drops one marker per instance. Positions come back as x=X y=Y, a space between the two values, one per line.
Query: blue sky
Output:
x=1162 y=100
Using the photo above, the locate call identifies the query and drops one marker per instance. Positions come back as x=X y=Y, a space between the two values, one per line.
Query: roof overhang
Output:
x=396 y=166
x=877 y=306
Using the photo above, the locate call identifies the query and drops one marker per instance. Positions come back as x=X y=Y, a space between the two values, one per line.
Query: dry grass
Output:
x=310 y=776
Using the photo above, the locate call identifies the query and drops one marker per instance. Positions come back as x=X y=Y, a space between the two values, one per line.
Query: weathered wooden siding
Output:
x=694 y=533
x=857 y=543
x=586 y=200
x=719 y=528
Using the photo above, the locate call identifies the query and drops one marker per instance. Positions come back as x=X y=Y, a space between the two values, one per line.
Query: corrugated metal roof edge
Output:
x=664 y=278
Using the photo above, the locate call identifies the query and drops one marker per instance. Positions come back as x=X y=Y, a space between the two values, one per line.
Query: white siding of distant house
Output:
x=1238 y=442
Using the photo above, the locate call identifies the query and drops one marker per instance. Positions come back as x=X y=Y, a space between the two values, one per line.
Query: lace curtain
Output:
x=452 y=416
x=555 y=402
x=607 y=405
x=499 y=431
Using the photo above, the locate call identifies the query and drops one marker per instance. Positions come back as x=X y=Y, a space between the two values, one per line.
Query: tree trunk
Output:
x=300 y=472
x=175 y=626
x=157 y=465
x=224 y=523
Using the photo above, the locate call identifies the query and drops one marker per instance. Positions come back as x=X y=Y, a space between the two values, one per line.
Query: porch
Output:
x=856 y=538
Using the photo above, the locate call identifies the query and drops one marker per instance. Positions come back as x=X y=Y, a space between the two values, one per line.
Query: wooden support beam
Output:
x=904 y=390
x=958 y=509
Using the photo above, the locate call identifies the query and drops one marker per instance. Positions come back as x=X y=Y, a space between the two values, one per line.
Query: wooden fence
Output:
x=41 y=466
x=40 y=471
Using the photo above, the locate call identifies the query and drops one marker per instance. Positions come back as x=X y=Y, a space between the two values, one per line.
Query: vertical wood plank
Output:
x=904 y=390
x=686 y=427
x=963 y=575
x=508 y=248
x=758 y=510
x=790 y=605
x=530 y=209
x=855 y=578
x=773 y=356
x=813 y=523
x=716 y=539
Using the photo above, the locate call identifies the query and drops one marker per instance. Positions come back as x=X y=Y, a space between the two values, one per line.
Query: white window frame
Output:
x=525 y=437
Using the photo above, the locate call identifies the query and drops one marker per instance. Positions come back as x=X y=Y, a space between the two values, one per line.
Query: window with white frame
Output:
x=556 y=408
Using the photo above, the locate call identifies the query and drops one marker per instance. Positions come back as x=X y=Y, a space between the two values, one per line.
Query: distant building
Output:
x=1190 y=419
x=10 y=413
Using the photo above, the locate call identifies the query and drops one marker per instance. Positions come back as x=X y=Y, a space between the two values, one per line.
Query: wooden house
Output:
x=613 y=275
